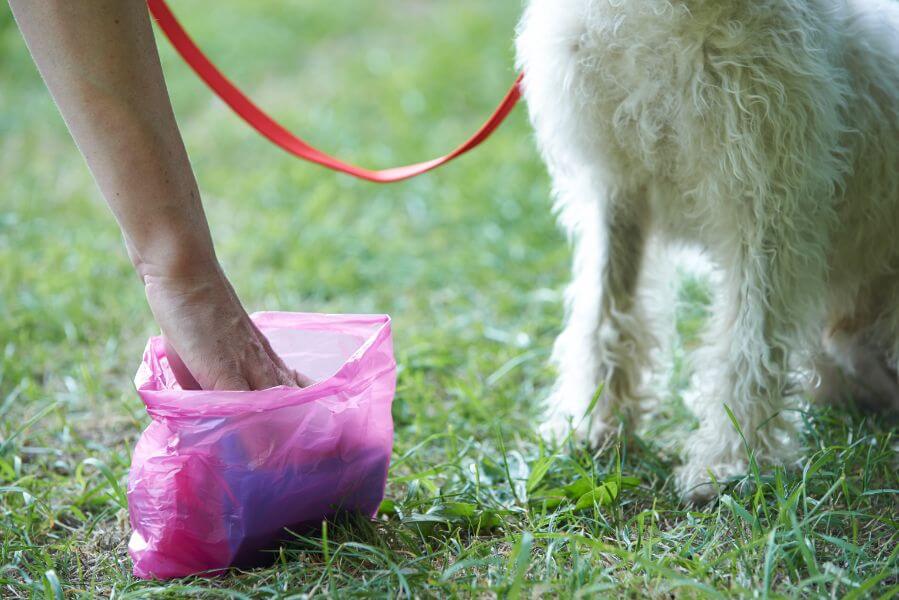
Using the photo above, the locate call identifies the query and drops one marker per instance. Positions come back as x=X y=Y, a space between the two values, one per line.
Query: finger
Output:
x=231 y=382
x=302 y=380
x=286 y=378
x=292 y=378
x=262 y=374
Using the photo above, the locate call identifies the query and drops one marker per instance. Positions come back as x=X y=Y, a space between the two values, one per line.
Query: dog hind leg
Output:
x=853 y=369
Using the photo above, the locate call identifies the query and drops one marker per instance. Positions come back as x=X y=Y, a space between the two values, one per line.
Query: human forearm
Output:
x=99 y=59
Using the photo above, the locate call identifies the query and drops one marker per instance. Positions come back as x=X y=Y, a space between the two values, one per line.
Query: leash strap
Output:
x=271 y=129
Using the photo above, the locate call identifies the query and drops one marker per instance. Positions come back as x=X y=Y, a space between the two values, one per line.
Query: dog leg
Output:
x=855 y=370
x=768 y=301
x=604 y=341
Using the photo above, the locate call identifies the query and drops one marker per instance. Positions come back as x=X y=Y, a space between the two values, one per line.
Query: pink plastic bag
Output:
x=217 y=476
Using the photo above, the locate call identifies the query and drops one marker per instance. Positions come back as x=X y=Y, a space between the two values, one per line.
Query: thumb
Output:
x=182 y=374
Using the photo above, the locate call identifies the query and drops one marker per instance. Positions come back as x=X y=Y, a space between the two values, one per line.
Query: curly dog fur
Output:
x=767 y=133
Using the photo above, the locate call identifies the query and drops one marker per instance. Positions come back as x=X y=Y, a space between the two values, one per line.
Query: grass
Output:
x=470 y=265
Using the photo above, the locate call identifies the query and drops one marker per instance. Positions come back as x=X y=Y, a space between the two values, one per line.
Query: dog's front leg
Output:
x=604 y=341
x=772 y=286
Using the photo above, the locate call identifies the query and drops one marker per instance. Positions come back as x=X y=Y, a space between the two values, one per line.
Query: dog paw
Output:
x=559 y=427
x=695 y=489
x=698 y=483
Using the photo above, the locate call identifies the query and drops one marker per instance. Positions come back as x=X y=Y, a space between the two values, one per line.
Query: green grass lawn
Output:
x=470 y=265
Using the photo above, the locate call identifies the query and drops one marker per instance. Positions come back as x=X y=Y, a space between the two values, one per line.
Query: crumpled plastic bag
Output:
x=218 y=476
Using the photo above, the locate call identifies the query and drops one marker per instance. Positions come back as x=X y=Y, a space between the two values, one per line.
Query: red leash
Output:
x=261 y=122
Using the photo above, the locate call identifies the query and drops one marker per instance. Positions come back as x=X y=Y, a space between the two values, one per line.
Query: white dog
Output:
x=765 y=131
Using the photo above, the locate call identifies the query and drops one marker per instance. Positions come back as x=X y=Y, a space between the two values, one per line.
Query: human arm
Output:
x=99 y=60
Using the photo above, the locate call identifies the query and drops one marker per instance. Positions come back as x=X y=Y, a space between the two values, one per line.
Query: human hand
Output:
x=203 y=321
